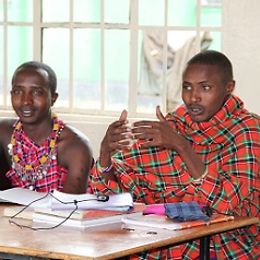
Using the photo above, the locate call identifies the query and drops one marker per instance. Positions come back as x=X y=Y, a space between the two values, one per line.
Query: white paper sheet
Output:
x=122 y=201
x=61 y=200
x=25 y=197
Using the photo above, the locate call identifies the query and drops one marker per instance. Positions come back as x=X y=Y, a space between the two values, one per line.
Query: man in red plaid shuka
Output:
x=208 y=151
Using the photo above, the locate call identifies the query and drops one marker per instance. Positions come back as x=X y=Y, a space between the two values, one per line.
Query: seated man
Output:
x=43 y=153
x=208 y=151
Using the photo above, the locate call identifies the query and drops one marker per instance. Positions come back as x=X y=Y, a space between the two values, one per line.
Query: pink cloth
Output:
x=157 y=209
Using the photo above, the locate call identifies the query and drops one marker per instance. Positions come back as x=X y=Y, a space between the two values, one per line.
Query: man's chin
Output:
x=196 y=118
x=199 y=118
x=27 y=119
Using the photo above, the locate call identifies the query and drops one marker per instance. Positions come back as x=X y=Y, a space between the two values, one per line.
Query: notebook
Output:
x=160 y=221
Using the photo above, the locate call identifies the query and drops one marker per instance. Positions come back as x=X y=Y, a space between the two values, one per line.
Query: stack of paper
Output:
x=80 y=218
x=85 y=218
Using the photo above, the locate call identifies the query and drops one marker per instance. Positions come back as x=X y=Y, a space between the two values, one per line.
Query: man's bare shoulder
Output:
x=73 y=145
x=72 y=138
x=70 y=133
x=7 y=122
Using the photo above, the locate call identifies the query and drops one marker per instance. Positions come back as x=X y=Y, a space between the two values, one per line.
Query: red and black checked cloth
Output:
x=229 y=145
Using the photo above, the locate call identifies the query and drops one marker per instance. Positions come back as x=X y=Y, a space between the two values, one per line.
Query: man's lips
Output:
x=195 y=110
x=26 y=112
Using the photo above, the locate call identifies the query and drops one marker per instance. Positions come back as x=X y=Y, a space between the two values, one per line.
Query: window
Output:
x=108 y=54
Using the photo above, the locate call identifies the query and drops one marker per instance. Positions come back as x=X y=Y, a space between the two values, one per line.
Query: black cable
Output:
x=102 y=198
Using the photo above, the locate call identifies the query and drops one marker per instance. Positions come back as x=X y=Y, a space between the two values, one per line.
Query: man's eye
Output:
x=206 y=87
x=37 y=92
x=186 y=87
x=16 y=92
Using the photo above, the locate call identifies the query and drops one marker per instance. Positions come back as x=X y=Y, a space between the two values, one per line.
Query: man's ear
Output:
x=230 y=87
x=54 y=98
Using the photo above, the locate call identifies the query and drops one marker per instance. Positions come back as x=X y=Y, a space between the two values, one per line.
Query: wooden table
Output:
x=103 y=242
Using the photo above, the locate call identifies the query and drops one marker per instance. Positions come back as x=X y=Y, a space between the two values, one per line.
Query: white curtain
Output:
x=151 y=73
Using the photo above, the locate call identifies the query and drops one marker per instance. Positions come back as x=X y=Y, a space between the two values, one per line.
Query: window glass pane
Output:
x=56 y=54
x=116 y=11
x=210 y=16
x=147 y=103
x=211 y=2
x=151 y=12
x=116 y=69
x=20 y=10
x=19 y=50
x=87 y=68
x=216 y=41
x=150 y=70
x=1 y=65
x=55 y=10
x=19 y=46
x=87 y=10
x=1 y=11
x=182 y=12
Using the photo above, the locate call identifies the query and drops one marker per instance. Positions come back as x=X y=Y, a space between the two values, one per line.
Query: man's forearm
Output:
x=193 y=162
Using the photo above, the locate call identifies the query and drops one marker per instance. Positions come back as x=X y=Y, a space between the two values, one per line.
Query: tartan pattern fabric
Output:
x=229 y=145
x=31 y=152
x=185 y=211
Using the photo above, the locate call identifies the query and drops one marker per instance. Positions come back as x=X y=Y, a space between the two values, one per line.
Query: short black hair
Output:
x=211 y=57
x=40 y=65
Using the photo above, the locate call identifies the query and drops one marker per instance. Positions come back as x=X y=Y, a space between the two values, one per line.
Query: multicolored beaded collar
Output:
x=31 y=172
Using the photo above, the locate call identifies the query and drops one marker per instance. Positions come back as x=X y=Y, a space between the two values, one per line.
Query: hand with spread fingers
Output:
x=158 y=133
x=118 y=137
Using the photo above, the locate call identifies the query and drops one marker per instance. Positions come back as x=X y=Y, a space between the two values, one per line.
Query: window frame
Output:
x=134 y=28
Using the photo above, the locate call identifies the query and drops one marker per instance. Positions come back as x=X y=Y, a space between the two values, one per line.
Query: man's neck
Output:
x=38 y=132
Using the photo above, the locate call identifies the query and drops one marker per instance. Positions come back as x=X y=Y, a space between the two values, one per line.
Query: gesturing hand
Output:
x=159 y=114
x=118 y=135
x=157 y=133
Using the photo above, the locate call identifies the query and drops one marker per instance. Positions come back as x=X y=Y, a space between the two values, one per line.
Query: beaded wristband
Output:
x=103 y=169
x=201 y=177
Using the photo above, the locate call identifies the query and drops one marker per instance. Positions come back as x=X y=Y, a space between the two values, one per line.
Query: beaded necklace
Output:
x=32 y=171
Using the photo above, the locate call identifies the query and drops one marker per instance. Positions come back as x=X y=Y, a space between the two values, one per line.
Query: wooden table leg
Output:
x=204 y=248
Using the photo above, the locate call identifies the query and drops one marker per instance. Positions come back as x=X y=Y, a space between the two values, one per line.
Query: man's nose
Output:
x=27 y=99
x=195 y=96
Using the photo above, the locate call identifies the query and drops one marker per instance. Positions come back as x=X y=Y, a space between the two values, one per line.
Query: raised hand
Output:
x=118 y=135
x=159 y=114
x=157 y=133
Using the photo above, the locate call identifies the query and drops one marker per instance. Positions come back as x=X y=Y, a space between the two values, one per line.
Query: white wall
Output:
x=94 y=131
x=241 y=43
